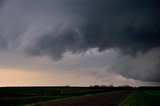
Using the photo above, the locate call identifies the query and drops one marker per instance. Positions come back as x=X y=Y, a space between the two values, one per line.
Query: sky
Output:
x=79 y=42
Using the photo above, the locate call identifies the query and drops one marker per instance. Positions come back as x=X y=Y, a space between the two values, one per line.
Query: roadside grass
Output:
x=142 y=98
x=127 y=100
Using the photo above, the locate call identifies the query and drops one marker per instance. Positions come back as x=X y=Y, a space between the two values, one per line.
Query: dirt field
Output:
x=106 y=99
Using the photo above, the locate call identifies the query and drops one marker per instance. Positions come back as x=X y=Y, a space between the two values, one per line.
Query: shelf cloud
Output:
x=54 y=27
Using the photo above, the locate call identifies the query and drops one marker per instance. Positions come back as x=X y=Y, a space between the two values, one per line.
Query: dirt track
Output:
x=106 y=99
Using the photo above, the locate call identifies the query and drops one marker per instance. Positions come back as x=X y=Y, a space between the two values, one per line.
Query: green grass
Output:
x=143 y=98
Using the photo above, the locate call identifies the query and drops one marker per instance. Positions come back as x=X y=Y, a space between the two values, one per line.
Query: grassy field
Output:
x=143 y=97
x=17 y=96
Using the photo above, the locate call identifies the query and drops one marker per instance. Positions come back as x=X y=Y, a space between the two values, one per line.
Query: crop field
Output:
x=12 y=96
x=143 y=97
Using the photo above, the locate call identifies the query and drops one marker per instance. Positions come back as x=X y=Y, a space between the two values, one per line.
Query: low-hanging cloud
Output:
x=145 y=67
x=53 y=27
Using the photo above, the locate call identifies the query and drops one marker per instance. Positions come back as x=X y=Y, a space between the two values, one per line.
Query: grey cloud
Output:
x=53 y=27
x=144 y=67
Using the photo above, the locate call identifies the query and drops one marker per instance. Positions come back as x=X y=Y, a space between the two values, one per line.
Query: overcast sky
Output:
x=79 y=42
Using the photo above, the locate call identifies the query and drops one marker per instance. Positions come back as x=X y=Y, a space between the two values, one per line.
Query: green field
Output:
x=12 y=96
x=143 y=97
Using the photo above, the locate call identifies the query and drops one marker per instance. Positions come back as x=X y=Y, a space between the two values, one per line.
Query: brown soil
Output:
x=106 y=99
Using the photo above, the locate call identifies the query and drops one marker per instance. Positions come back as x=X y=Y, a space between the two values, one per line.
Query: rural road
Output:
x=106 y=99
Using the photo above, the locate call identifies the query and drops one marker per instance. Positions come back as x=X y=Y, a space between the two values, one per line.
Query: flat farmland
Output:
x=19 y=96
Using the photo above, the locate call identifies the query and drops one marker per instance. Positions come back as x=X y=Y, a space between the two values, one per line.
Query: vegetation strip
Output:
x=124 y=101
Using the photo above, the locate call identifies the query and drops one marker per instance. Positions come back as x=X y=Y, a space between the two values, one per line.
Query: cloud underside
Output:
x=53 y=27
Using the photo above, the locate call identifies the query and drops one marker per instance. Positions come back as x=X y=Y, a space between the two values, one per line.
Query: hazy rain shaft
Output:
x=129 y=28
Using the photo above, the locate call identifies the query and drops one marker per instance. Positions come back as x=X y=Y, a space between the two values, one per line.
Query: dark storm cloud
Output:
x=130 y=26
x=52 y=27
